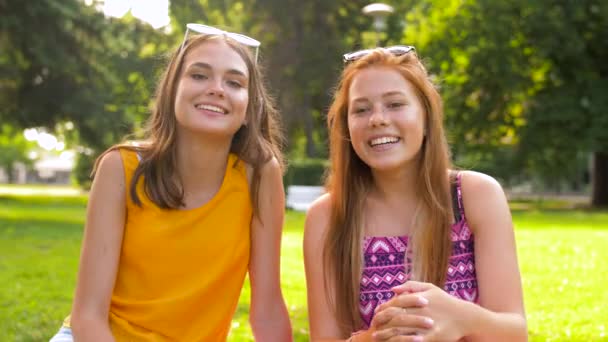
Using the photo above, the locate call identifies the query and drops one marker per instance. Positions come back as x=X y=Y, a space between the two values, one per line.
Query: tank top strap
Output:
x=456 y=189
x=130 y=160
x=236 y=162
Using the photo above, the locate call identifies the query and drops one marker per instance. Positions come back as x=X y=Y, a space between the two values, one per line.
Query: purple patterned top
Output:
x=384 y=266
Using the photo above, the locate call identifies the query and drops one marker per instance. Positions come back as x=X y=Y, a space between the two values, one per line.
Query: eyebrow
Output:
x=387 y=94
x=209 y=67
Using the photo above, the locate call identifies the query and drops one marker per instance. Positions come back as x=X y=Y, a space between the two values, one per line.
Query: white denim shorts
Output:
x=63 y=335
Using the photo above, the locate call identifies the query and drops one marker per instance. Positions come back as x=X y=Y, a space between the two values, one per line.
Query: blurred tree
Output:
x=64 y=61
x=570 y=112
x=130 y=56
x=44 y=59
x=305 y=58
x=526 y=76
x=13 y=149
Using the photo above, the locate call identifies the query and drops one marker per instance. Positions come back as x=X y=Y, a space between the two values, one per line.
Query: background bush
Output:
x=306 y=172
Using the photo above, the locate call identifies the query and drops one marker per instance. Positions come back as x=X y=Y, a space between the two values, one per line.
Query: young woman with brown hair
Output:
x=411 y=250
x=176 y=221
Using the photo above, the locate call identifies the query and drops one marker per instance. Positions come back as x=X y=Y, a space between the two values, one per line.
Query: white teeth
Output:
x=383 y=140
x=211 y=108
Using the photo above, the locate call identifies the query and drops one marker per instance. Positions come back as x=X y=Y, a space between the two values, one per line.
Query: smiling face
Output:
x=385 y=118
x=212 y=93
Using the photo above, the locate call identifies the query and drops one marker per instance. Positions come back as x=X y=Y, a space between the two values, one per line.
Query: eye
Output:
x=395 y=105
x=234 y=84
x=198 y=77
x=360 y=110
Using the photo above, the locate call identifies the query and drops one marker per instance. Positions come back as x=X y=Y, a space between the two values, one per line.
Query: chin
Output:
x=385 y=167
x=389 y=164
x=213 y=130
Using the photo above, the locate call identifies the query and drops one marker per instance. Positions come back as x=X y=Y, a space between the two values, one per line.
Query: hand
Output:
x=395 y=321
x=446 y=312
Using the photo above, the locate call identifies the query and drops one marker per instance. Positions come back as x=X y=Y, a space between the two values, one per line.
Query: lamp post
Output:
x=379 y=12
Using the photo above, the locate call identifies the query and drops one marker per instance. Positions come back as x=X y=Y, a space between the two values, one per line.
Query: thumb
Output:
x=411 y=287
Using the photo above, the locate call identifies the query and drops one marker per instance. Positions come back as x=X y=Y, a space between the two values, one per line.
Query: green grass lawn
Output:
x=563 y=256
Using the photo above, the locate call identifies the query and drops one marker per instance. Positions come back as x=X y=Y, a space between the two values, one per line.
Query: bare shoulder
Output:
x=484 y=200
x=317 y=216
x=271 y=178
x=270 y=169
x=111 y=167
x=476 y=184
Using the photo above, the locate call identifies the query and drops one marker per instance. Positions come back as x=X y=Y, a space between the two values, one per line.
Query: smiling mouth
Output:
x=212 y=108
x=383 y=141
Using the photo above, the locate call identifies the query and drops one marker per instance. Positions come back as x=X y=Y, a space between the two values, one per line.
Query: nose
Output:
x=216 y=88
x=378 y=116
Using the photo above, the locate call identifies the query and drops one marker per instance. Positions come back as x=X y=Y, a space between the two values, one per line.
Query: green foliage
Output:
x=520 y=76
x=304 y=57
x=524 y=83
x=13 y=149
x=64 y=61
x=500 y=163
x=306 y=172
x=83 y=168
x=131 y=56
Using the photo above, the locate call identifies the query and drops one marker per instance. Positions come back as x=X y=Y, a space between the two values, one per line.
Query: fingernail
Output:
x=423 y=300
x=418 y=339
x=429 y=321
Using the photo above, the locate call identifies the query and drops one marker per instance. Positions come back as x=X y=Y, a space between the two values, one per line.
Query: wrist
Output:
x=472 y=319
x=362 y=336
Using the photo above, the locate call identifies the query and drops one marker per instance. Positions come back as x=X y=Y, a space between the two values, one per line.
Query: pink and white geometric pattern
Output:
x=385 y=267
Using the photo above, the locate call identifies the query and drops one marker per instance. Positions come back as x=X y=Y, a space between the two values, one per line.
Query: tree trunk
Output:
x=599 y=179
x=10 y=173
x=309 y=128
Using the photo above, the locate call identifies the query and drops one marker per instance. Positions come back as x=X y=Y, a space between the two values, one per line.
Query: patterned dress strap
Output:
x=456 y=191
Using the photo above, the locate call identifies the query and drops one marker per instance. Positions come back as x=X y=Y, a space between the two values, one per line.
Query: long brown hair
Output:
x=254 y=143
x=350 y=179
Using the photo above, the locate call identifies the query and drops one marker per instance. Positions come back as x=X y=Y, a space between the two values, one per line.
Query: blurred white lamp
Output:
x=379 y=12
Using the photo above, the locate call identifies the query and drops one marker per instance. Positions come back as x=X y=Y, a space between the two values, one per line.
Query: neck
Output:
x=392 y=203
x=396 y=185
x=201 y=162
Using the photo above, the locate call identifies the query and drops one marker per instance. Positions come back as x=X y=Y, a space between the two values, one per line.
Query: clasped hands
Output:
x=418 y=312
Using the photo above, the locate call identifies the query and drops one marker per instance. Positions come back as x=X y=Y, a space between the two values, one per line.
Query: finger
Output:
x=386 y=304
x=409 y=338
x=413 y=321
x=395 y=332
x=405 y=301
x=390 y=318
x=399 y=338
x=412 y=286
x=384 y=316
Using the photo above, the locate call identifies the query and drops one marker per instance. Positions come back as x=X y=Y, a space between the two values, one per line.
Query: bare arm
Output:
x=100 y=252
x=500 y=316
x=268 y=314
x=323 y=324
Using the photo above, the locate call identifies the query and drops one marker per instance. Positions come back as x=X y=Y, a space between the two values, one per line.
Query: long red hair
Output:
x=350 y=178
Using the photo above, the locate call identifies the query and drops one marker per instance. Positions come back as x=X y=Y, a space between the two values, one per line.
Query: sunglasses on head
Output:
x=210 y=30
x=397 y=50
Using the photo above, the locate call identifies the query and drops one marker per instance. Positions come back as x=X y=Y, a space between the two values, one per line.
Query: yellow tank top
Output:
x=181 y=271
